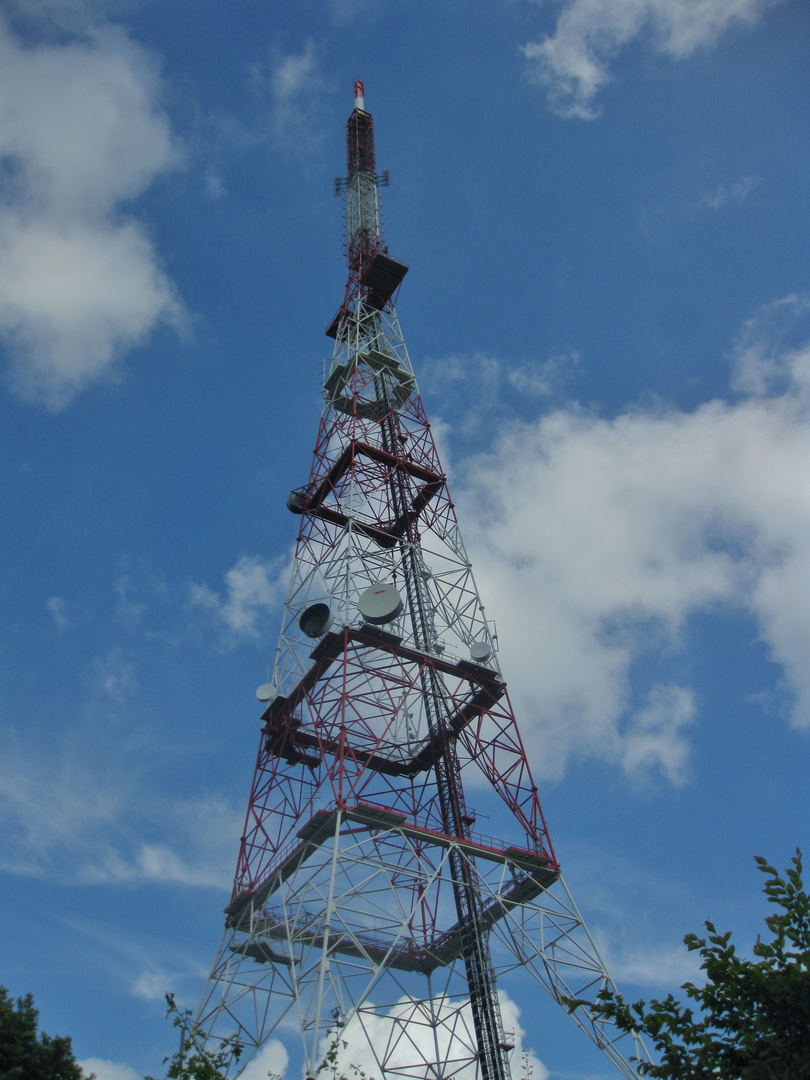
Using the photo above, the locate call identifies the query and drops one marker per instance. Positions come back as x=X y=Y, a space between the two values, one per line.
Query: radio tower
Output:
x=366 y=907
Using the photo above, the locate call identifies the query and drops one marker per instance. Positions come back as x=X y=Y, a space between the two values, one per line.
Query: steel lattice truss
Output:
x=366 y=905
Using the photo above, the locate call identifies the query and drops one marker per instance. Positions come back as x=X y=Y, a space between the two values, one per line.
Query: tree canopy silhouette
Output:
x=27 y=1054
x=752 y=1016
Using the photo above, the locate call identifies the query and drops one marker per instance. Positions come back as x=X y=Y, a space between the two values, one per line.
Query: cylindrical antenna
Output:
x=359 y=96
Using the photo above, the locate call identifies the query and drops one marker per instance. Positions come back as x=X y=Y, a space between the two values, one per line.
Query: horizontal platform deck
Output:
x=533 y=873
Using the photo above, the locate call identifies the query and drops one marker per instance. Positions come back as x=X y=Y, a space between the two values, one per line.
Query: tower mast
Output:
x=364 y=244
x=365 y=906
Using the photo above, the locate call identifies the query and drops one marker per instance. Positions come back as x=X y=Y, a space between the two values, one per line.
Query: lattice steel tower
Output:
x=366 y=904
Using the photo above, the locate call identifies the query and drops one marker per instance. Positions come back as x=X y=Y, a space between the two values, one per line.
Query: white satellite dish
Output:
x=380 y=604
x=266 y=692
x=480 y=651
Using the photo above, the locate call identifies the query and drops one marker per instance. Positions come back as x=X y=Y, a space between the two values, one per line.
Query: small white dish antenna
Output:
x=380 y=604
x=480 y=651
x=266 y=692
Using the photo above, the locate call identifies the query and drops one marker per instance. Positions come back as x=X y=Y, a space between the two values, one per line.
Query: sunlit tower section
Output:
x=367 y=907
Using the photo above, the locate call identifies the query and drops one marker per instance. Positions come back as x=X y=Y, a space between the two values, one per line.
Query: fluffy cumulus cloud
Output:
x=271 y=1061
x=409 y=1030
x=108 y=1070
x=573 y=63
x=82 y=135
x=596 y=540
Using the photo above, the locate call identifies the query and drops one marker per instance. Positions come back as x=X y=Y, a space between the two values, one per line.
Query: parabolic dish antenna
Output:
x=480 y=651
x=316 y=620
x=380 y=604
x=265 y=692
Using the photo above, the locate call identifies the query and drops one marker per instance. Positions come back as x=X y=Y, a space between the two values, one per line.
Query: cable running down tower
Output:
x=367 y=907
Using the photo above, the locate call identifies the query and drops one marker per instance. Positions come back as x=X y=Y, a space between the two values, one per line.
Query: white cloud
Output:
x=108 y=1070
x=58 y=609
x=204 y=840
x=735 y=193
x=596 y=540
x=483 y=387
x=769 y=356
x=344 y=12
x=54 y=17
x=295 y=88
x=113 y=676
x=544 y=379
x=271 y=1060
x=206 y=831
x=293 y=76
x=254 y=588
x=654 y=738
x=81 y=136
x=410 y=1029
x=85 y=811
x=573 y=63
x=626 y=898
x=151 y=985
x=652 y=965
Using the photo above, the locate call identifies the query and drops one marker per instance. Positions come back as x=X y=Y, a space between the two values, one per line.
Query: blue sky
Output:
x=604 y=208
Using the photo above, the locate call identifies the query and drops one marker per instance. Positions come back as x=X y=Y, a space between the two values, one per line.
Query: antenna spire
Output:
x=373 y=275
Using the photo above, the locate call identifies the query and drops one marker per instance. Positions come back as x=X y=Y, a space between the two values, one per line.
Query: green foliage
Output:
x=330 y=1062
x=194 y=1061
x=753 y=1016
x=24 y=1053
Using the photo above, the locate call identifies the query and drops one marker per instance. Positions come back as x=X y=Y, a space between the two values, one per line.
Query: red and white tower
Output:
x=366 y=904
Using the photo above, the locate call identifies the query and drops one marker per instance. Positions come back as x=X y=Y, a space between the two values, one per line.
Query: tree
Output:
x=193 y=1061
x=24 y=1053
x=753 y=1018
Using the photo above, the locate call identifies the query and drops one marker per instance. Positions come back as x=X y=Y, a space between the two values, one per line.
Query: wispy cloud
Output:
x=254 y=589
x=734 y=194
x=87 y=811
x=484 y=386
x=59 y=611
x=81 y=282
x=54 y=17
x=573 y=63
x=294 y=87
x=655 y=738
x=546 y=379
x=113 y=676
x=344 y=12
x=626 y=899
